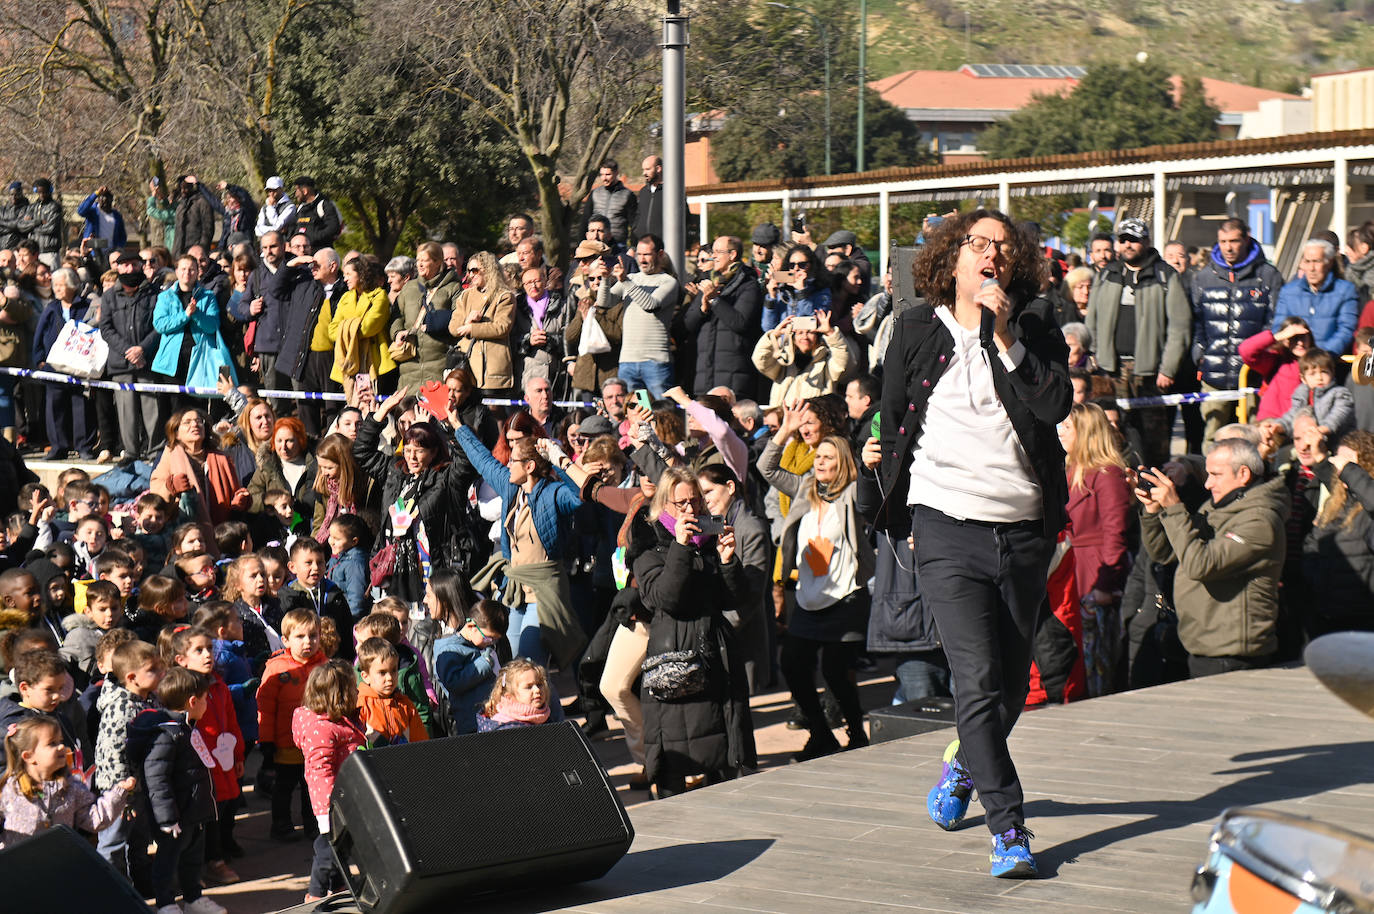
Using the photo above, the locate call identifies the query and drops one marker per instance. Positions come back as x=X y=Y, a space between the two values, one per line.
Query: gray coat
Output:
x=1163 y=317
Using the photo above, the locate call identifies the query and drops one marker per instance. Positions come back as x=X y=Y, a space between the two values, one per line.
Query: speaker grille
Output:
x=547 y=785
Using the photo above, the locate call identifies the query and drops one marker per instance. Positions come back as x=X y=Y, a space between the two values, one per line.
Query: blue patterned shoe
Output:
x=1011 y=855
x=948 y=800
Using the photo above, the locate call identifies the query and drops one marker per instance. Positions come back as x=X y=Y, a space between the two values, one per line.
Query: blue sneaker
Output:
x=1011 y=855
x=948 y=800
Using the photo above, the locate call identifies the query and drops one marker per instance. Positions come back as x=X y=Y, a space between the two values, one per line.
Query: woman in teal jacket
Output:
x=187 y=317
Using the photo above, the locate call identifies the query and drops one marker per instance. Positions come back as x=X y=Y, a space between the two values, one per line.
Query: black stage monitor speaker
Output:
x=58 y=870
x=911 y=718
x=430 y=823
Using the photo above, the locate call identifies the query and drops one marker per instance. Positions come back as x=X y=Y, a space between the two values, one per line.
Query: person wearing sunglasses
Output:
x=972 y=470
x=800 y=289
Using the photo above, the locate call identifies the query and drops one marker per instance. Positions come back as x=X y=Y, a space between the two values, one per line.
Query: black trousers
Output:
x=985 y=583
x=291 y=778
x=1211 y=666
x=798 y=664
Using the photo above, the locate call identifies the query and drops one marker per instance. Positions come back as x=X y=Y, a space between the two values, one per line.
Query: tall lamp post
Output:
x=675 y=41
x=863 y=80
x=825 y=44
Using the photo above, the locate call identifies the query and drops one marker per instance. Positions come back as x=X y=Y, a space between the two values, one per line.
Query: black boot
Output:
x=821 y=743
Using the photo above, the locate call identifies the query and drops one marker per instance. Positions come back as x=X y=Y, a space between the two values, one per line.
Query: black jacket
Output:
x=320 y=221
x=325 y=600
x=1231 y=304
x=1036 y=396
x=126 y=320
x=10 y=215
x=726 y=335
x=649 y=219
x=195 y=224
x=1338 y=558
x=42 y=224
x=177 y=780
x=298 y=324
x=686 y=589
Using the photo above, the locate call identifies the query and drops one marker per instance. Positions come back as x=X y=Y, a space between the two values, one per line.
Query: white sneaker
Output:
x=172 y=908
x=205 y=905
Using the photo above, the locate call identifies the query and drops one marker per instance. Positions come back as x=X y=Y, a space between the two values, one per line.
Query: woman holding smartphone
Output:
x=823 y=540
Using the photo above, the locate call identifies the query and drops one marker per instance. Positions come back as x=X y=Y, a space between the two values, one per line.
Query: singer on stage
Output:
x=976 y=381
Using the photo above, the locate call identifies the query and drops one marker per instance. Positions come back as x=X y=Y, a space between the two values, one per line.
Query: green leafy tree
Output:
x=1114 y=106
x=354 y=112
x=793 y=145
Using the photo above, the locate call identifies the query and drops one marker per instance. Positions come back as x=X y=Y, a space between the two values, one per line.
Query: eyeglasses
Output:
x=476 y=626
x=686 y=503
x=800 y=265
x=578 y=439
x=980 y=243
x=1128 y=239
x=474 y=269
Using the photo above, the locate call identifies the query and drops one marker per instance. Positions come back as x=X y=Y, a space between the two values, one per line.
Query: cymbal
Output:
x=1344 y=663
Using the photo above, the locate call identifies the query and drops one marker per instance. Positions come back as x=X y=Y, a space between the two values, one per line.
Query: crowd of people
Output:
x=778 y=474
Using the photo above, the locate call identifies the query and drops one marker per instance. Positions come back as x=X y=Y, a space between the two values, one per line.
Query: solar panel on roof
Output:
x=1026 y=71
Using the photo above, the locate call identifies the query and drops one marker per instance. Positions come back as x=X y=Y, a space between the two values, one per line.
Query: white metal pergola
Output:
x=1328 y=158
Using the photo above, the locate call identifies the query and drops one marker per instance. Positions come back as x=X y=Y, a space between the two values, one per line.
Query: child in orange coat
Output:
x=390 y=717
x=283 y=686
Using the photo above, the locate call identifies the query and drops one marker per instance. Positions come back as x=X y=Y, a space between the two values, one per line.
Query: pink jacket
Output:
x=1280 y=369
x=325 y=743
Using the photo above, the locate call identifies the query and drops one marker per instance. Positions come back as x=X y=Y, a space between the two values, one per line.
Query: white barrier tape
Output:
x=211 y=393
x=1177 y=399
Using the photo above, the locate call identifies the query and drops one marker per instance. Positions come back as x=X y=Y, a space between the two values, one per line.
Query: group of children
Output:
x=134 y=699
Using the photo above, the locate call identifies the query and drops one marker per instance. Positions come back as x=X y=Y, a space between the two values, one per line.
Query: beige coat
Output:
x=488 y=349
x=776 y=357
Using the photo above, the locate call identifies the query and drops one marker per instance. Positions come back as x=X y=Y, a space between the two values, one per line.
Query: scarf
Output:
x=332 y=509
x=724 y=276
x=538 y=308
x=508 y=710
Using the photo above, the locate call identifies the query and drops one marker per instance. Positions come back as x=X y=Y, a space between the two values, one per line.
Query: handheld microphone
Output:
x=989 y=319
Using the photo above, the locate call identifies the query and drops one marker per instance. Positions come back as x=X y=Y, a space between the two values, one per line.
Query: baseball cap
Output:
x=1136 y=228
x=276 y=183
x=16 y=185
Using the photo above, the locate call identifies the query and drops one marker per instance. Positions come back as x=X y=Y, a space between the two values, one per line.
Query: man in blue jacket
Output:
x=103 y=222
x=1233 y=298
x=1330 y=306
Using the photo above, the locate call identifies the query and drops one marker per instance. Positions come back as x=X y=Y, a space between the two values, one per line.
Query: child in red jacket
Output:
x=283 y=687
x=221 y=743
x=327 y=729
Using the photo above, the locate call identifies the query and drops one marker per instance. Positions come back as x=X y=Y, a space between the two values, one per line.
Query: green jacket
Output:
x=1226 y=589
x=432 y=349
x=162 y=214
x=1163 y=317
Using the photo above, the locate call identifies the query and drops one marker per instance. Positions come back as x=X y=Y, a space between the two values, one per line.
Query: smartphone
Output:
x=804 y=323
x=225 y=374
x=876 y=427
x=932 y=221
x=642 y=399
x=711 y=524
x=799 y=224
x=100 y=244
x=362 y=388
x=1144 y=482
x=434 y=398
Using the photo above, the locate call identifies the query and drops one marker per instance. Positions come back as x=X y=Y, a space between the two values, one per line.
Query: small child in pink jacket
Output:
x=327 y=730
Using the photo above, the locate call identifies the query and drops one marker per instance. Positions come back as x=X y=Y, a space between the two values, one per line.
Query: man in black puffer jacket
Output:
x=1233 y=298
x=726 y=320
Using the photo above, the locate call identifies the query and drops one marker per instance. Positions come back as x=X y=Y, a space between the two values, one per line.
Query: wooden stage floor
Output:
x=1121 y=792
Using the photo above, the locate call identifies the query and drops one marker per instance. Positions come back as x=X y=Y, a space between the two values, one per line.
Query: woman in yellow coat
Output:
x=358 y=326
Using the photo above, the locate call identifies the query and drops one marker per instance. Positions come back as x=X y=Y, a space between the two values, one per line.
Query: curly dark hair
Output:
x=935 y=263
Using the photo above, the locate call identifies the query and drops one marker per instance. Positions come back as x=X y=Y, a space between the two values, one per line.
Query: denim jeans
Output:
x=921 y=674
x=124 y=842
x=655 y=377
x=525 y=636
x=6 y=401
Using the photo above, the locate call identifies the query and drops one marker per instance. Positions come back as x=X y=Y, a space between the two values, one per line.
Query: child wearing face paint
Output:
x=466 y=662
x=221 y=746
